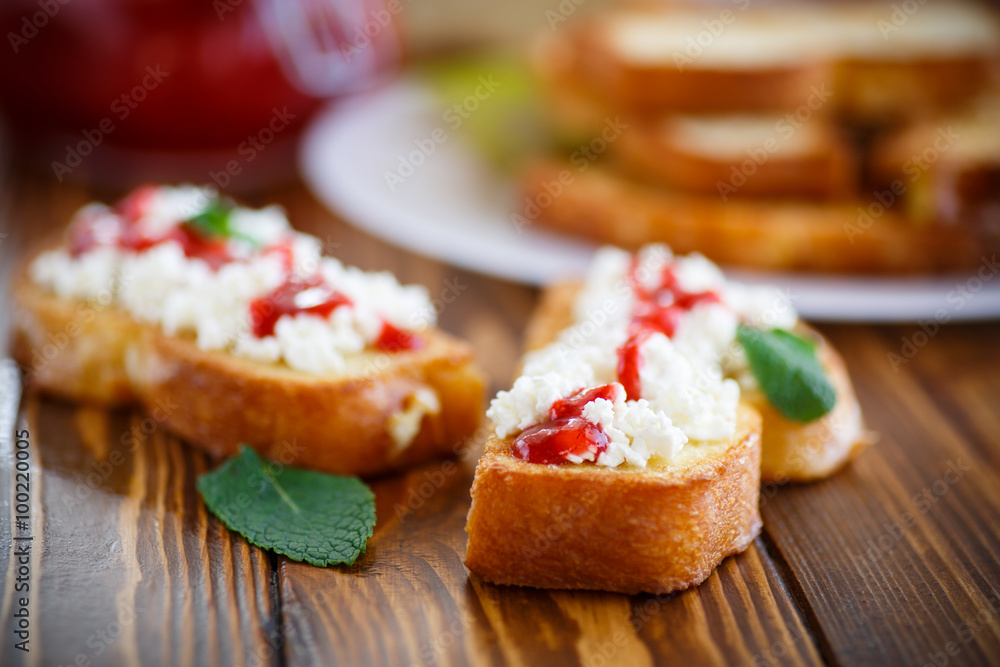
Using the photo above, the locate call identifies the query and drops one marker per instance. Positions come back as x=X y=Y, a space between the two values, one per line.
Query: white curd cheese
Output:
x=186 y=296
x=690 y=383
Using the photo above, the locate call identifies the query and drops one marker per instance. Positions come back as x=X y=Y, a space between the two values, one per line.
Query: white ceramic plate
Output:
x=454 y=207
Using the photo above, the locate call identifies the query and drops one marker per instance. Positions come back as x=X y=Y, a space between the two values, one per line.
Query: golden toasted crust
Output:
x=858 y=237
x=334 y=424
x=82 y=351
x=656 y=530
x=791 y=451
x=72 y=349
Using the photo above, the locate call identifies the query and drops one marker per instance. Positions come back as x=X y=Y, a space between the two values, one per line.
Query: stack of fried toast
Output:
x=846 y=137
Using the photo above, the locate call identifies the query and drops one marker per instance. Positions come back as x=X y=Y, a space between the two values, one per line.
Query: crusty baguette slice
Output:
x=215 y=400
x=858 y=237
x=339 y=424
x=72 y=349
x=738 y=155
x=791 y=451
x=657 y=530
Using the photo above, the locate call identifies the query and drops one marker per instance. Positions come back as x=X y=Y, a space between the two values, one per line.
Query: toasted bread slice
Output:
x=653 y=61
x=738 y=156
x=657 y=530
x=948 y=168
x=340 y=424
x=894 y=61
x=867 y=62
x=790 y=450
x=72 y=349
x=858 y=237
x=368 y=422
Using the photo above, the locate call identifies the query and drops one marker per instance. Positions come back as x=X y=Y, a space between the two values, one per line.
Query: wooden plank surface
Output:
x=865 y=568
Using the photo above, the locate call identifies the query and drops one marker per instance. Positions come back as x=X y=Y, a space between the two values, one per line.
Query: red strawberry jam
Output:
x=656 y=310
x=394 y=339
x=133 y=206
x=213 y=251
x=122 y=230
x=565 y=432
x=295 y=296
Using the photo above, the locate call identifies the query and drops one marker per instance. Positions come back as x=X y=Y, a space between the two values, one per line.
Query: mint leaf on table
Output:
x=789 y=373
x=308 y=516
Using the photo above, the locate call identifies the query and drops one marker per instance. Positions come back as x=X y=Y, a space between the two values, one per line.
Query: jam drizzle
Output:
x=657 y=310
x=565 y=433
x=294 y=296
x=120 y=227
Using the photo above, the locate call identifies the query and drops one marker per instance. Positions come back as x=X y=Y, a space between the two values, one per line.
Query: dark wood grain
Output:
x=831 y=580
x=899 y=550
x=127 y=567
x=409 y=600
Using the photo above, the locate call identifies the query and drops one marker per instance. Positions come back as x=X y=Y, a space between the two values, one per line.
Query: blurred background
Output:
x=348 y=98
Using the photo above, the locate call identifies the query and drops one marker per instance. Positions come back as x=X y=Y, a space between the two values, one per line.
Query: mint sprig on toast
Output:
x=789 y=372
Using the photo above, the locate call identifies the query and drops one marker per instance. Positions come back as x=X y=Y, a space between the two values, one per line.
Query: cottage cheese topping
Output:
x=687 y=390
x=141 y=256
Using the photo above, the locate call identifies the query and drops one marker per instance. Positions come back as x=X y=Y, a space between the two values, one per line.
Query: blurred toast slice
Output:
x=739 y=156
x=947 y=167
x=870 y=63
x=865 y=236
x=699 y=61
x=72 y=349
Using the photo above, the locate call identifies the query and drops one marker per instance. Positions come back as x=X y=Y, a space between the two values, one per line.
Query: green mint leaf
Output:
x=308 y=516
x=213 y=222
x=789 y=372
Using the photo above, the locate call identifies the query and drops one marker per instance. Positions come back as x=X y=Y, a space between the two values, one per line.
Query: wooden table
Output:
x=896 y=560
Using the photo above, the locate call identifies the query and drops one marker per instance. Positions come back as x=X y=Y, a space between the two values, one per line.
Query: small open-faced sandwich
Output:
x=230 y=327
x=628 y=454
